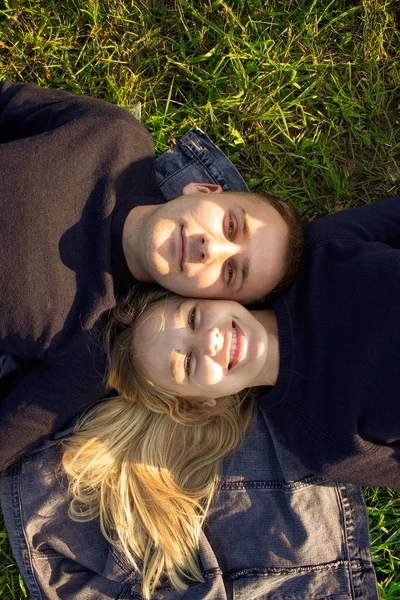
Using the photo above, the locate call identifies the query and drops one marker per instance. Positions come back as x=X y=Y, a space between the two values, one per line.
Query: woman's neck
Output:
x=267 y=320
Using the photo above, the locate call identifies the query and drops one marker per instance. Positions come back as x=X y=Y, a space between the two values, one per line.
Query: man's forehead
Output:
x=248 y=203
x=221 y=199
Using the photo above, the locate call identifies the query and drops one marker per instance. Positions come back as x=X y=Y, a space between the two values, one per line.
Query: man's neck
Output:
x=133 y=241
x=267 y=319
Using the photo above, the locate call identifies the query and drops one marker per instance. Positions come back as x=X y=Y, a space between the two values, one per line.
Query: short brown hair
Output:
x=295 y=240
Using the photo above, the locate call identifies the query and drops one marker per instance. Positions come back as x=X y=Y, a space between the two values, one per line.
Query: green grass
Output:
x=303 y=96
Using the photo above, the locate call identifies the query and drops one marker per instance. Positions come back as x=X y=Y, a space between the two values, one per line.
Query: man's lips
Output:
x=182 y=248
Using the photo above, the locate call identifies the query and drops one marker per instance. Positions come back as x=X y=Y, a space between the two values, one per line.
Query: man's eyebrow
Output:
x=246 y=224
x=245 y=275
x=246 y=263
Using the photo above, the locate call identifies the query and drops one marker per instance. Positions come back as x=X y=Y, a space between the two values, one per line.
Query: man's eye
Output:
x=229 y=272
x=231 y=227
x=192 y=318
x=187 y=363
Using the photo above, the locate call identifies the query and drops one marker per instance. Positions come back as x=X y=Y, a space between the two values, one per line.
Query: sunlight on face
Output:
x=199 y=348
x=217 y=246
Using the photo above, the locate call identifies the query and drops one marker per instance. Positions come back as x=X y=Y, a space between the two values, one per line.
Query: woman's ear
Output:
x=204 y=188
x=205 y=402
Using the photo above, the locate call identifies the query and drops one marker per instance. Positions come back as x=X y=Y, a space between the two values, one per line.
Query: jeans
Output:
x=274 y=531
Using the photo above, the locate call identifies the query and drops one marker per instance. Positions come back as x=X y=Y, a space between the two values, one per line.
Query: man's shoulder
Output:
x=377 y=221
x=337 y=225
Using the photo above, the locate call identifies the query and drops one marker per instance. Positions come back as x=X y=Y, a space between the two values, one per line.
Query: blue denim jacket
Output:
x=274 y=531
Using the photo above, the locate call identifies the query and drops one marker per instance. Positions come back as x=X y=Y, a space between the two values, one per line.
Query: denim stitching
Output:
x=347 y=531
x=203 y=161
x=357 y=566
x=131 y=576
x=24 y=549
x=195 y=152
x=276 y=484
x=192 y=160
x=212 y=573
x=254 y=572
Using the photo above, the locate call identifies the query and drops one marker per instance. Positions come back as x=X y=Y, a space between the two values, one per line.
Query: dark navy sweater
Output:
x=337 y=398
x=71 y=169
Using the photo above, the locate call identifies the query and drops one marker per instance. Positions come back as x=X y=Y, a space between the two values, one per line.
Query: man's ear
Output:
x=204 y=188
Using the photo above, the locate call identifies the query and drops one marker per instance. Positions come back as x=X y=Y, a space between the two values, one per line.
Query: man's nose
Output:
x=210 y=341
x=211 y=249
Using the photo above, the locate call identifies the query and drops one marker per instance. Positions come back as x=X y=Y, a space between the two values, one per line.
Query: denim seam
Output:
x=212 y=573
x=342 y=519
x=277 y=484
x=201 y=154
x=357 y=566
x=203 y=162
x=256 y=571
x=348 y=530
x=192 y=160
x=44 y=553
x=132 y=577
x=25 y=552
x=128 y=594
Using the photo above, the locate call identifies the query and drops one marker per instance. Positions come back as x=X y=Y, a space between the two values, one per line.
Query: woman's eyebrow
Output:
x=176 y=373
x=178 y=321
x=178 y=317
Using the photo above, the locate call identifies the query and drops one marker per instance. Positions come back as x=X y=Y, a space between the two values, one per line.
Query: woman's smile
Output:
x=238 y=346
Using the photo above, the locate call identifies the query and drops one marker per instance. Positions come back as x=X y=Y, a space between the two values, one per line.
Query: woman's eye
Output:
x=188 y=360
x=192 y=318
x=231 y=227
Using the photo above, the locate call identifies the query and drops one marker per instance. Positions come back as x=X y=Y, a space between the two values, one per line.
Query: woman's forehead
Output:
x=156 y=320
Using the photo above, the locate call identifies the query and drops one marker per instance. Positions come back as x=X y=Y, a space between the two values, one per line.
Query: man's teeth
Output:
x=233 y=345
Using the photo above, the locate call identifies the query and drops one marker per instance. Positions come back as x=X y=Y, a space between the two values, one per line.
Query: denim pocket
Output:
x=326 y=582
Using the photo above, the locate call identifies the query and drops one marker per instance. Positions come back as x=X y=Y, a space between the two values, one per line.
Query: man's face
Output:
x=216 y=245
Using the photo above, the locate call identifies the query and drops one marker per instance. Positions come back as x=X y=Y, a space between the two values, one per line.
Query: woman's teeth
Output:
x=233 y=347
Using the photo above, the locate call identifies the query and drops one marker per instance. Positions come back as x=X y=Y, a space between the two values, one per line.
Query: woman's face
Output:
x=200 y=348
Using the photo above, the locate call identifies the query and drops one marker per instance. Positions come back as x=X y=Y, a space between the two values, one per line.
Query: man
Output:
x=82 y=219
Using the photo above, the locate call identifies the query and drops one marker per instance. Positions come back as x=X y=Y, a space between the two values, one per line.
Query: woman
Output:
x=147 y=461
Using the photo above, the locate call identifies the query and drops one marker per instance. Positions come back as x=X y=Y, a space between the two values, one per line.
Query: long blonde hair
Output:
x=147 y=461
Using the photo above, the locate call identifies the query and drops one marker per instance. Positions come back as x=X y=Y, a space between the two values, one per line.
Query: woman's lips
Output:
x=241 y=345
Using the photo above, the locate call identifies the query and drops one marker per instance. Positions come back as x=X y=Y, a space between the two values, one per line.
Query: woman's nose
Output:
x=210 y=341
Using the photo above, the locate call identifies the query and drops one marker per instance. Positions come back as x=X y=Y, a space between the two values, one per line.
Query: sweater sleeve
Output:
x=43 y=400
x=27 y=110
x=347 y=458
x=379 y=466
x=378 y=222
